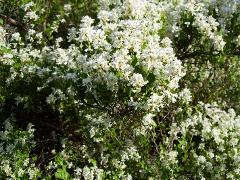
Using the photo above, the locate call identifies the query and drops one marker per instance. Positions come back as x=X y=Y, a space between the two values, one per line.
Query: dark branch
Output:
x=13 y=22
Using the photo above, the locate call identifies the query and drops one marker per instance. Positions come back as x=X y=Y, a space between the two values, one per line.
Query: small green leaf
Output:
x=1 y=22
x=62 y=174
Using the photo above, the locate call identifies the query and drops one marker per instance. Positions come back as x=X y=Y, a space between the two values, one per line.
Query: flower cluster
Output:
x=215 y=146
x=15 y=146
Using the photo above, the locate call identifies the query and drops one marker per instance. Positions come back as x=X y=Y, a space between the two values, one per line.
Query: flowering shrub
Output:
x=207 y=144
x=16 y=161
x=130 y=93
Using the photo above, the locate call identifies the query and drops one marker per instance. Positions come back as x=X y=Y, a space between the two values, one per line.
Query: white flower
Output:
x=2 y=35
x=166 y=42
x=7 y=169
x=137 y=80
x=28 y=5
x=128 y=177
x=51 y=99
x=87 y=21
x=172 y=156
x=185 y=94
x=32 y=15
x=16 y=36
x=58 y=41
x=155 y=102
x=31 y=32
x=148 y=120
x=87 y=173
x=67 y=7
x=201 y=159
x=78 y=171
x=216 y=133
x=238 y=40
x=93 y=131
x=20 y=172
x=8 y=56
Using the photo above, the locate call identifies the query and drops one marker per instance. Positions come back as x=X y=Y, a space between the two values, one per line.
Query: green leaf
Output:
x=62 y=174
x=151 y=78
x=1 y=21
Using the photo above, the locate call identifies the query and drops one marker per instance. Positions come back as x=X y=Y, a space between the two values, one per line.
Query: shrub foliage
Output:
x=110 y=89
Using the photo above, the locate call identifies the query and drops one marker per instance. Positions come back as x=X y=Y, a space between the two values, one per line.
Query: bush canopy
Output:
x=120 y=89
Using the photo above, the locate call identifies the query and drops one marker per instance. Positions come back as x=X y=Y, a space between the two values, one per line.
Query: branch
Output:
x=13 y=22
